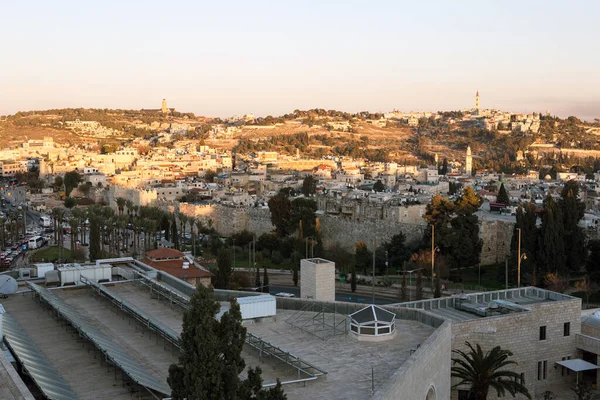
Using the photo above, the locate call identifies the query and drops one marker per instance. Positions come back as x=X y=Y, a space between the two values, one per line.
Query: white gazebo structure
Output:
x=373 y=323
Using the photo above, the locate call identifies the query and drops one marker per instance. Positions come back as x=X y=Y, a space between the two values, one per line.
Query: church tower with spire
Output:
x=477 y=103
x=469 y=162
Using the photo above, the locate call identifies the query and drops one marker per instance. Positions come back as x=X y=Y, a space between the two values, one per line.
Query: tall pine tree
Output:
x=210 y=362
x=502 y=197
x=574 y=239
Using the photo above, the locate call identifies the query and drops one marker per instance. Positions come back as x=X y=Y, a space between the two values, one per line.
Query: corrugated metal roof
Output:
x=112 y=350
x=45 y=376
x=255 y=299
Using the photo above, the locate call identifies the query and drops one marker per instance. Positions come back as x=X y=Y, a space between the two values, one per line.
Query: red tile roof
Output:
x=164 y=253
x=174 y=267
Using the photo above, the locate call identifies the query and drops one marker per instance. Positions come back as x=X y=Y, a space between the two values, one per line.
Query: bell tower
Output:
x=477 y=101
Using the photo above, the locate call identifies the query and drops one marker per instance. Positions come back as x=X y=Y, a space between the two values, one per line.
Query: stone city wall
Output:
x=496 y=237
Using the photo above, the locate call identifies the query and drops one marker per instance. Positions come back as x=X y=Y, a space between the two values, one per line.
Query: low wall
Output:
x=427 y=369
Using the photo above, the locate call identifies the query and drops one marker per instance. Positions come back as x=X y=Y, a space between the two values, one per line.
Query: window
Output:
x=567 y=329
x=542 y=333
x=541 y=370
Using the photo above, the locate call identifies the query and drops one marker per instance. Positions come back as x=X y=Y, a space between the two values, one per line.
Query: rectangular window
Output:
x=567 y=329
x=542 y=333
x=542 y=370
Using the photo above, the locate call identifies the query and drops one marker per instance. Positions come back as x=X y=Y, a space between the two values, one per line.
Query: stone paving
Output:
x=347 y=361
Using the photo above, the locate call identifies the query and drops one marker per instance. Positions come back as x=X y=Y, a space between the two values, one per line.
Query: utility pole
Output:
x=432 y=255
x=373 y=277
x=519 y=259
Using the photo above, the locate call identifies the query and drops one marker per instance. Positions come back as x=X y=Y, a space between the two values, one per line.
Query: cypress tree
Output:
x=502 y=197
x=95 y=252
x=353 y=279
x=552 y=245
x=223 y=269
x=174 y=234
x=210 y=362
x=572 y=211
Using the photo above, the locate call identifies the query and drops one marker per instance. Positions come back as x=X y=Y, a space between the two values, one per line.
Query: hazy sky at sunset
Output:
x=221 y=58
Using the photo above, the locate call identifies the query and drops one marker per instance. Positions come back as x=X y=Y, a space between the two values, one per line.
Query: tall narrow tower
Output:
x=163 y=107
x=477 y=101
x=469 y=162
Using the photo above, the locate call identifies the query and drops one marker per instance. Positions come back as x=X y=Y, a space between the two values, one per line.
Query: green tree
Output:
x=444 y=169
x=265 y=280
x=572 y=210
x=281 y=211
x=551 y=251
x=174 y=235
x=527 y=222
x=502 y=197
x=70 y=202
x=95 y=223
x=71 y=180
x=362 y=257
x=309 y=186
x=209 y=176
x=378 y=186
x=353 y=278
x=224 y=269
x=58 y=182
x=210 y=362
x=482 y=372
x=592 y=265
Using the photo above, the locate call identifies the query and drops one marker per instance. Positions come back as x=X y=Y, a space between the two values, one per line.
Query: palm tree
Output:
x=129 y=205
x=484 y=371
x=120 y=204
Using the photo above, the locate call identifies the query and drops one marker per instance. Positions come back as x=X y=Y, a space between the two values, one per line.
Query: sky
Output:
x=223 y=58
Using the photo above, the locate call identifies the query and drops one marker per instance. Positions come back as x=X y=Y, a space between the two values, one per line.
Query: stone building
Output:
x=539 y=327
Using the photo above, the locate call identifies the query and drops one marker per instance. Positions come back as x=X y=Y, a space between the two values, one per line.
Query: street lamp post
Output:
x=521 y=257
x=410 y=281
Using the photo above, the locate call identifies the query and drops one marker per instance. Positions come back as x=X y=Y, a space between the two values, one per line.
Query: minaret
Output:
x=469 y=162
x=164 y=108
x=477 y=102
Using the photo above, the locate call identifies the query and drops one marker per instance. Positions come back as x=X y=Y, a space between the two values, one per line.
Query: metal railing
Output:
x=146 y=320
x=263 y=347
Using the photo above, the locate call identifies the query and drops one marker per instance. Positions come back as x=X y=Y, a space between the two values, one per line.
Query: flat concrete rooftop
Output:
x=347 y=361
x=467 y=307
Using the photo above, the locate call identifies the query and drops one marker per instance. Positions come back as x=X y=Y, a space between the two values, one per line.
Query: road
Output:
x=352 y=298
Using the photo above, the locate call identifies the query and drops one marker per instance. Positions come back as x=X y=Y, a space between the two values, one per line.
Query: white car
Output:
x=284 y=294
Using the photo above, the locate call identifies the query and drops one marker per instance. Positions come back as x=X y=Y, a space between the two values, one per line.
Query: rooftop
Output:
x=466 y=307
x=346 y=360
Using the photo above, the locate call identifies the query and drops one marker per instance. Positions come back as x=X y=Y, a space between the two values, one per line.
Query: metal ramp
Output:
x=162 y=330
x=305 y=370
x=34 y=363
x=320 y=320
x=112 y=351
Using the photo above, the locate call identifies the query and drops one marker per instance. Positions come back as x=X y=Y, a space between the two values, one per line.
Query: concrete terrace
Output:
x=347 y=361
